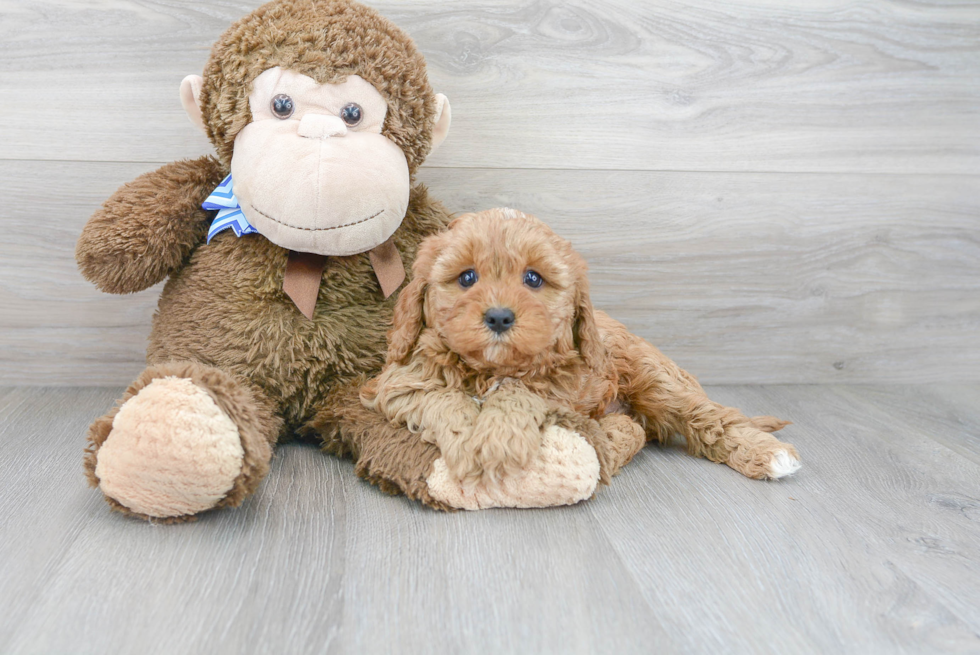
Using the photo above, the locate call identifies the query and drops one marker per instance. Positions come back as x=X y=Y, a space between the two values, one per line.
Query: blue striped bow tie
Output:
x=229 y=211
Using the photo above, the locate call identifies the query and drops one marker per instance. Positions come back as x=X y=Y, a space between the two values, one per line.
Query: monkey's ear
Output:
x=444 y=116
x=190 y=98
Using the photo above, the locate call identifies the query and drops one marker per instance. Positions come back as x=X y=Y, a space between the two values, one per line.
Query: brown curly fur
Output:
x=559 y=353
x=223 y=308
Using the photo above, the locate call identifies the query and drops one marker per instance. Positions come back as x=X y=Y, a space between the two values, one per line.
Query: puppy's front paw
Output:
x=507 y=435
x=452 y=432
x=502 y=448
x=563 y=471
x=459 y=456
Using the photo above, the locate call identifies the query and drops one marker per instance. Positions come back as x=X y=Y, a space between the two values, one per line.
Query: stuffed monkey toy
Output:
x=282 y=254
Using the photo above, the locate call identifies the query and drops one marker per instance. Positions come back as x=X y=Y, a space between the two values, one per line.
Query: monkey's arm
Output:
x=146 y=229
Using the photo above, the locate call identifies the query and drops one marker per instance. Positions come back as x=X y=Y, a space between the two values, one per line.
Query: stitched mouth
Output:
x=315 y=229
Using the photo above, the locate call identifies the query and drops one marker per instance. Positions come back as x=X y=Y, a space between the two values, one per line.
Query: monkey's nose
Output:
x=499 y=319
x=321 y=126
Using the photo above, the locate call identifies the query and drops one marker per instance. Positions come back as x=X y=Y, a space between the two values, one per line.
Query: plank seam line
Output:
x=558 y=170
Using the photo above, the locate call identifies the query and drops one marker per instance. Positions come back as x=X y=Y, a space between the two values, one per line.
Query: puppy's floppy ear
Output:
x=407 y=323
x=586 y=332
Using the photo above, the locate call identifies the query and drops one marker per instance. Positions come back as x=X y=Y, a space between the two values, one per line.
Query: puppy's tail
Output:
x=769 y=423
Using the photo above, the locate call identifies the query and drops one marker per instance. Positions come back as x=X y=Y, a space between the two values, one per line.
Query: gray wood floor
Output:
x=873 y=547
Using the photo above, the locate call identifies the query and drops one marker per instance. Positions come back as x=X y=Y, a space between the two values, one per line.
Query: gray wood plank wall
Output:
x=770 y=191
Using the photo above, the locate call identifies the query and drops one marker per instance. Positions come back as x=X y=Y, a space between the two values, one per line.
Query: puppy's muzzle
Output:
x=498 y=319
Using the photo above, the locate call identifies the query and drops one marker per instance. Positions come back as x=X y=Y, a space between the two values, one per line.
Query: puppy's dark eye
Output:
x=467 y=278
x=282 y=106
x=352 y=114
x=533 y=280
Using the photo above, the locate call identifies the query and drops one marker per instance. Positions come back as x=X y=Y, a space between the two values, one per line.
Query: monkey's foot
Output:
x=172 y=451
x=564 y=472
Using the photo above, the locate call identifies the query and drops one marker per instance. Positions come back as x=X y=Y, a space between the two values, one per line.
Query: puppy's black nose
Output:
x=499 y=319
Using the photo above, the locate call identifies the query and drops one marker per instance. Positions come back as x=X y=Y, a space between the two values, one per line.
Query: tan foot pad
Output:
x=171 y=452
x=565 y=471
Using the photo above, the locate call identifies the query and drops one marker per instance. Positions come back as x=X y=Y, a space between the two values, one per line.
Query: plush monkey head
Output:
x=322 y=111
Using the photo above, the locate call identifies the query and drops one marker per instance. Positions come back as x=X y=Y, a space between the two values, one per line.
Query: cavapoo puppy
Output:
x=495 y=339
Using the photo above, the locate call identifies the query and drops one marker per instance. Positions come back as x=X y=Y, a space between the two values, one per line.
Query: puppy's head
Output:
x=501 y=290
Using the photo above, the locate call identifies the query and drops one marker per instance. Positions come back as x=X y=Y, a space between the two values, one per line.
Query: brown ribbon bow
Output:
x=304 y=270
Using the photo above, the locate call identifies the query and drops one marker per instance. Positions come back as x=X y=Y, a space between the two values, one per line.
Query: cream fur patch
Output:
x=782 y=465
x=564 y=472
x=172 y=451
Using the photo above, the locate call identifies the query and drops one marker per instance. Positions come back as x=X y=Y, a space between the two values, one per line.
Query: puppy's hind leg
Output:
x=723 y=434
x=624 y=438
x=668 y=400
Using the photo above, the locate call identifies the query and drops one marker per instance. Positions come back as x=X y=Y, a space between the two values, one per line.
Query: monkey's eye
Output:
x=467 y=278
x=533 y=279
x=351 y=114
x=282 y=106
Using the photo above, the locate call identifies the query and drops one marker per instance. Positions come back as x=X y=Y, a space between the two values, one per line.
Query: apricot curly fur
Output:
x=560 y=353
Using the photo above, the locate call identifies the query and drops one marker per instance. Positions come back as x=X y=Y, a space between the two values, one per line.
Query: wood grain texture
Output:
x=882 y=445
x=739 y=277
x=948 y=413
x=769 y=191
x=871 y=548
x=751 y=85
